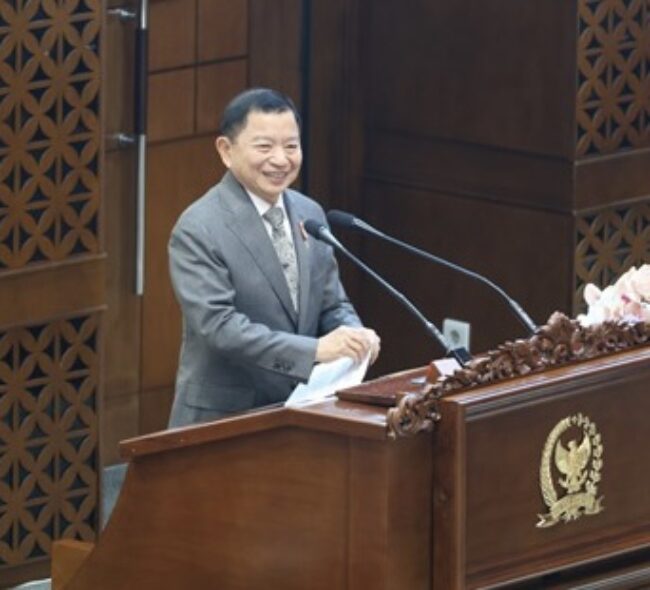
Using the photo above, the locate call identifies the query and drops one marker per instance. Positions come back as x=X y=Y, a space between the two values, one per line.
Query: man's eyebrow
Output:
x=269 y=138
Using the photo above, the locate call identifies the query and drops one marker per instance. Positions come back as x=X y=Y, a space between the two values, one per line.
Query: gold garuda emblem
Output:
x=571 y=489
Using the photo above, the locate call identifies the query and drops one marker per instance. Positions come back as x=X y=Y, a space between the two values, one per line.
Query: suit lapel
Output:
x=302 y=254
x=249 y=229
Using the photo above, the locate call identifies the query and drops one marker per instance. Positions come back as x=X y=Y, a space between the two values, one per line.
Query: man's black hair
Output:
x=262 y=100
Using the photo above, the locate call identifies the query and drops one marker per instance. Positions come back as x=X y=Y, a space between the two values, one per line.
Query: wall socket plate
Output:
x=456 y=332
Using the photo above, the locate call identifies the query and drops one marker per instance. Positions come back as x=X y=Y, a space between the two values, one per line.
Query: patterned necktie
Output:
x=285 y=251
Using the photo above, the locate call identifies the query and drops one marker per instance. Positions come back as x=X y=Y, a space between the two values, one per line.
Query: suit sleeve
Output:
x=203 y=287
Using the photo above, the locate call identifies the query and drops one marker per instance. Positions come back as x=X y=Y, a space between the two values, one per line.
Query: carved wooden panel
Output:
x=613 y=102
x=48 y=436
x=609 y=242
x=49 y=130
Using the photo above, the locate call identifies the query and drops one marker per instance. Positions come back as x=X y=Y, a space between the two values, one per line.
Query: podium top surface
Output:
x=366 y=420
x=333 y=415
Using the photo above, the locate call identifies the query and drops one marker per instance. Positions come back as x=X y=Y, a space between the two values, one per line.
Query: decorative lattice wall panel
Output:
x=609 y=242
x=48 y=436
x=49 y=130
x=613 y=102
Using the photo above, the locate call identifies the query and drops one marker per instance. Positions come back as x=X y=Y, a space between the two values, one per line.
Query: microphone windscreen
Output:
x=341 y=219
x=313 y=228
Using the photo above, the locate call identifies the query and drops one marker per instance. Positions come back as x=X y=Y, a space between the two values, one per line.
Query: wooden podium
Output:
x=323 y=498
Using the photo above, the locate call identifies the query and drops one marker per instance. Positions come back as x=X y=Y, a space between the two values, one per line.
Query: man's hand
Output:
x=347 y=341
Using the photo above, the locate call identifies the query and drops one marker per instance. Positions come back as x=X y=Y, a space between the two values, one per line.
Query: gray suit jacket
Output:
x=243 y=343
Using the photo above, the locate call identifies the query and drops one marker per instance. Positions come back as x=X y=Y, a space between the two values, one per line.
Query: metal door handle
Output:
x=139 y=136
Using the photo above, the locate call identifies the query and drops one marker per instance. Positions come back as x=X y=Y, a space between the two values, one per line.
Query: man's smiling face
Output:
x=265 y=156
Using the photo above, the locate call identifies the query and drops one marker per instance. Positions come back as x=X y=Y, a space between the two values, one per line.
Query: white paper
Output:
x=328 y=378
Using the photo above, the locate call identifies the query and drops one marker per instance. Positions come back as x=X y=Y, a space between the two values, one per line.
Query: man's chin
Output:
x=275 y=189
x=270 y=195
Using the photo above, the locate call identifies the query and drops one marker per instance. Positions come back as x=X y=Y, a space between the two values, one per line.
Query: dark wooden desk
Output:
x=321 y=498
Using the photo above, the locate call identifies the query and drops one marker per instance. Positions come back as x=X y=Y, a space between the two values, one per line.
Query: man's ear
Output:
x=223 y=146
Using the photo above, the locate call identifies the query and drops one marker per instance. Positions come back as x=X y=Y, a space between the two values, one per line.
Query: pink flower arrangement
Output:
x=628 y=299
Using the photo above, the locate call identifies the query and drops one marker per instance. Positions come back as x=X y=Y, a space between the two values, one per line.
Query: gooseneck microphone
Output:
x=321 y=232
x=348 y=221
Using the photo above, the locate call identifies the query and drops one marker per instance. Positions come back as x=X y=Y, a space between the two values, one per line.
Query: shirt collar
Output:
x=262 y=205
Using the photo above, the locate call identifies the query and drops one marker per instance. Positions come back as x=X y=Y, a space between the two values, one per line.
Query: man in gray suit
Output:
x=261 y=300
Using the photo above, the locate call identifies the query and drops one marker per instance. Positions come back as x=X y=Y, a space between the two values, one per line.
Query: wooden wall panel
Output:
x=469 y=170
x=335 y=133
x=171 y=101
x=52 y=265
x=222 y=29
x=154 y=408
x=216 y=85
x=172 y=37
x=537 y=117
x=51 y=291
x=624 y=175
x=499 y=241
x=183 y=171
x=122 y=364
x=119 y=416
x=492 y=73
x=275 y=45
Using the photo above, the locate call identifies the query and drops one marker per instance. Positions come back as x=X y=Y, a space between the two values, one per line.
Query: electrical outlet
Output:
x=456 y=332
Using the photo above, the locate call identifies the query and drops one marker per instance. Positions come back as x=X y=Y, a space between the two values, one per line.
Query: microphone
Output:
x=346 y=220
x=321 y=232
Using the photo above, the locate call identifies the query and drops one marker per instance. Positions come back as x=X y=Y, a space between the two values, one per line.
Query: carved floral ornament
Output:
x=560 y=342
x=618 y=319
